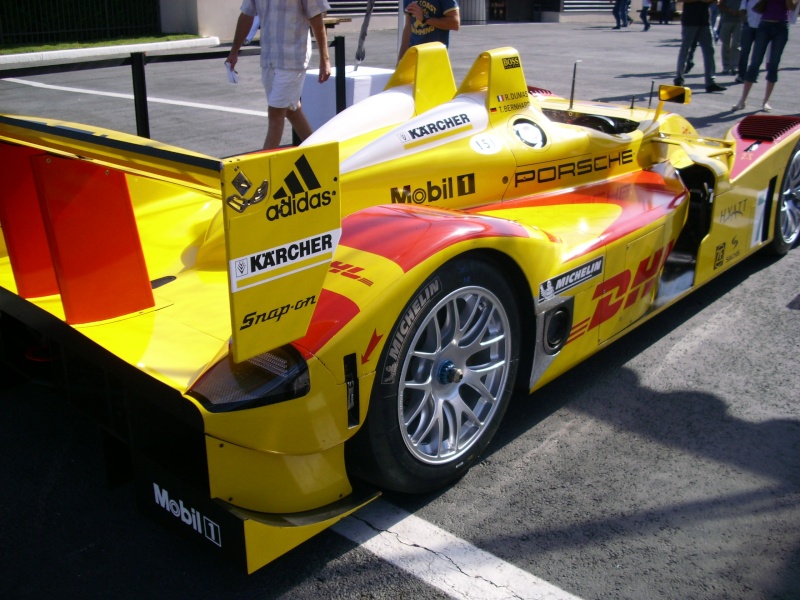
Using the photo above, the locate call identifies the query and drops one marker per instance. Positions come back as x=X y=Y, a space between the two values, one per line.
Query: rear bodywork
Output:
x=222 y=319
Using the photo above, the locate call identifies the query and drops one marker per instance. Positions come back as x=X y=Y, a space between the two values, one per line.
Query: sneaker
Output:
x=715 y=88
x=678 y=81
x=689 y=66
x=617 y=27
x=738 y=106
x=766 y=107
x=738 y=79
x=646 y=27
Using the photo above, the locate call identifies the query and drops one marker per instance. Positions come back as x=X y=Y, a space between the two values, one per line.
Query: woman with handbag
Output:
x=772 y=32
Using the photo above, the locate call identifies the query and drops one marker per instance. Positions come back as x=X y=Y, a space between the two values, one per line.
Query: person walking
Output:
x=620 y=12
x=749 y=27
x=285 y=53
x=696 y=25
x=772 y=32
x=665 y=16
x=428 y=21
x=730 y=33
x=643 y=14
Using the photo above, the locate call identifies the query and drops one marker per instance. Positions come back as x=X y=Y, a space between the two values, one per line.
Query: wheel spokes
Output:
x=454 y=375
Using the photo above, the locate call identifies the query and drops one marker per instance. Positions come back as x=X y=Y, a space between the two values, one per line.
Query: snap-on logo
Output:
x=189 y=516
x=299 y=192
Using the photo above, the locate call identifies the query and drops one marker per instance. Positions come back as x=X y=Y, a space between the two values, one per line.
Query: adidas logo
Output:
x=301 y=191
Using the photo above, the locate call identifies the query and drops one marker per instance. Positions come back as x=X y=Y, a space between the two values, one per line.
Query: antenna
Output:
x=572 y=93
x=652 y=87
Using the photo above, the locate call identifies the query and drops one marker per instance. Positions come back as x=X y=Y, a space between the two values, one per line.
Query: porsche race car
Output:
x=268 y=340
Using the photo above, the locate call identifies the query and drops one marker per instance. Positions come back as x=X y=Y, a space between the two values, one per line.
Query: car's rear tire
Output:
x=787 y=214
x=444 y=381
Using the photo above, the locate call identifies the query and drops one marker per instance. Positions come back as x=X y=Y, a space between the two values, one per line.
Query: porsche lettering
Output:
x=573 y=168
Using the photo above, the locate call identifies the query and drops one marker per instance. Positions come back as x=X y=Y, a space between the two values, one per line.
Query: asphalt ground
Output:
x=667 y=466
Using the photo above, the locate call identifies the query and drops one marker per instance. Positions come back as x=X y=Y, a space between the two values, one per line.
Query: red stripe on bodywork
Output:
x=755 y=135
x=644 y=197
x=408 y=235
x=332 y=313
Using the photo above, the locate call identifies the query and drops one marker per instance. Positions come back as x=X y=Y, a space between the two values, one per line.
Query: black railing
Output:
x=357 y=8
x=138 y=60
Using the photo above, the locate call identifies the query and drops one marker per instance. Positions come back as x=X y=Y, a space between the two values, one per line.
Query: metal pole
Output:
x=140 y=94
x=341 y=75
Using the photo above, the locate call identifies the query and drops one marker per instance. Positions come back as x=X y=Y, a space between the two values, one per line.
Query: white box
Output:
x=319 y=99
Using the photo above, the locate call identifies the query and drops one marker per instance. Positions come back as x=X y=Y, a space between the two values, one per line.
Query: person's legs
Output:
x=275 y=122
x=745 y=44
x=688 y=35
x=617 y=12
x=706 y=43
x=283 y=89
x=299 y=123
x=759 y=50
x=730 y=45
x=779 y=40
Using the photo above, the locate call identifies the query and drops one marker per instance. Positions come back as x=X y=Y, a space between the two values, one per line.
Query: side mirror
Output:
x=674 y=93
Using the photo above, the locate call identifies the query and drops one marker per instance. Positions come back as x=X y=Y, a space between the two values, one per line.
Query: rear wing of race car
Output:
x=70 y=233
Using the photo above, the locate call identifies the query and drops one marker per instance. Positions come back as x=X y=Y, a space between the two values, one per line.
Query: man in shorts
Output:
x=285 y=52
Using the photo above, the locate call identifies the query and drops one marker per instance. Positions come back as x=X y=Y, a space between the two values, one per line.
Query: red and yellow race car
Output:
x=267 y=340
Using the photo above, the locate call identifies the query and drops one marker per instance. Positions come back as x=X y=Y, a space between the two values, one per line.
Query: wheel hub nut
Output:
x=448 y=373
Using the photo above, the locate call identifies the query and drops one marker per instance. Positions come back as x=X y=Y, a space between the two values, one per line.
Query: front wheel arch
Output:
x=786 y=227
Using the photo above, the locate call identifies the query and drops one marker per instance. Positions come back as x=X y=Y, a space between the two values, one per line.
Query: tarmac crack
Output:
x=439 y=554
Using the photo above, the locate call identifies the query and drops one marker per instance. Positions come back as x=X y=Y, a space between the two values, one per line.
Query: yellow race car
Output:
x=268 y=340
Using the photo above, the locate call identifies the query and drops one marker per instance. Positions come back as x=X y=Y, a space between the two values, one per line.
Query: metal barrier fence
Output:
x=54 y=21
x=357 y=8
x=138 y=60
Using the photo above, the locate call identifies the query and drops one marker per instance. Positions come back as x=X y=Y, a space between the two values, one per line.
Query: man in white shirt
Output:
x=285 y=52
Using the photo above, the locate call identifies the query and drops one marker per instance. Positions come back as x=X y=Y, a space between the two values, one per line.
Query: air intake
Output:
x=765 y=128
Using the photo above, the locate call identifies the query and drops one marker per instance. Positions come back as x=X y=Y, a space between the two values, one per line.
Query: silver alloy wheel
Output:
x=789 y=217
x=454 y=375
